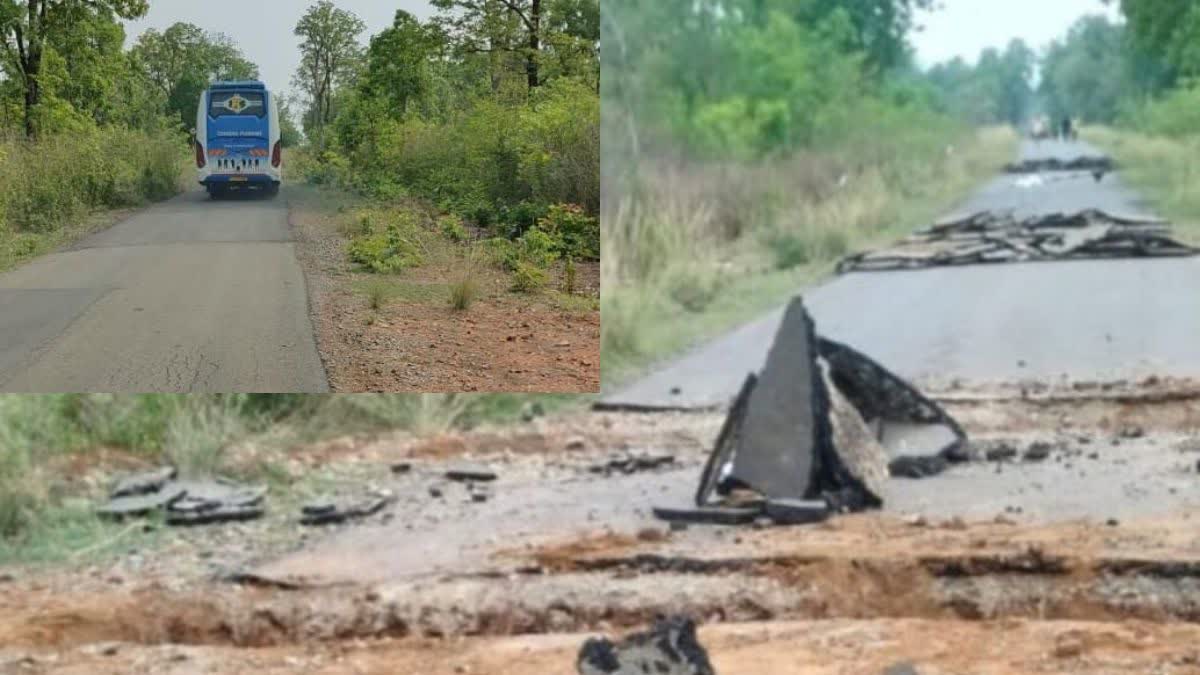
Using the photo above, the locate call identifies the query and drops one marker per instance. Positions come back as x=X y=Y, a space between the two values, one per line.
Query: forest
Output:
x=489 y=109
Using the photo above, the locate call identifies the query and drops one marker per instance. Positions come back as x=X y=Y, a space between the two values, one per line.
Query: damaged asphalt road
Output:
x=1093 y=320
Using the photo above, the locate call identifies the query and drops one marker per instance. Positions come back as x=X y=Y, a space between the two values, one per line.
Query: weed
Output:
x=528 y=278
x=453 y=229
x=378 y=293
x=569 y=277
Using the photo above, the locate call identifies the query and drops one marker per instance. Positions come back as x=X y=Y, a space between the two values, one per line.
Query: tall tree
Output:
x=25 y=26
x=329 y=57
x=182 y=60
x=1087 y=73
x=485 y=26
x=398 y=62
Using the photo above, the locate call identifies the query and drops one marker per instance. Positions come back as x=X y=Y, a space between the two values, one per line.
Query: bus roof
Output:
x=237 y=84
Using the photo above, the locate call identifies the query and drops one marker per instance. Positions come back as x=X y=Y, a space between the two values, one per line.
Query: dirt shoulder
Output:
x=399 y=332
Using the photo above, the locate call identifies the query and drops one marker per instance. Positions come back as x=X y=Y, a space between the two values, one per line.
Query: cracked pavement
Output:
x=189 y=295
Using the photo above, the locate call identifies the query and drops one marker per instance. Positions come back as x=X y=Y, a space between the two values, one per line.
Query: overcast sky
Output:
x=965 y=27
x=264 y=28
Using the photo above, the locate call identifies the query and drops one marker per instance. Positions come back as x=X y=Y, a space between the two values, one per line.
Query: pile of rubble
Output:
x=990 y=237
x=183 y=502
x=818 y=431
x=1093 y=163
x=200 y=502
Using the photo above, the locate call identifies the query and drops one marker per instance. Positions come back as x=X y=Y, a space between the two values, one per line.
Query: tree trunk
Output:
x=535 y=22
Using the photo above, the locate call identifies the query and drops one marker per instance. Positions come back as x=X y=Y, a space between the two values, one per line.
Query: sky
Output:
x=965 y=27
x=263 y=29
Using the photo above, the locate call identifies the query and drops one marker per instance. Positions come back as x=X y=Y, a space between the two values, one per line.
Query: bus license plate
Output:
x=237 y=179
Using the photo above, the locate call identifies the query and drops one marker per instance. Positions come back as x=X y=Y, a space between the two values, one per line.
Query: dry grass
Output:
x=1165 y=170
x=702 y=247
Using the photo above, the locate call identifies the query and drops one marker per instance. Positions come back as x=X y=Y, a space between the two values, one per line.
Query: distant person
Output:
x=1067 y=131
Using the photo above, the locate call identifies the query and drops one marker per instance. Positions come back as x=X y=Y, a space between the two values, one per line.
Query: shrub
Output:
x=790 y=249
x=518 y=219
x=46 y=184
x=528 y=278
x=453 y=228
x=388 y=252
x=536 y=248
x=574 y=232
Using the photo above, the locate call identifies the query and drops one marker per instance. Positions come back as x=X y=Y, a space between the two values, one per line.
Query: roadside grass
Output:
x=697 y=249
x=1166 y=171
x=58 y=453
x=60 y=189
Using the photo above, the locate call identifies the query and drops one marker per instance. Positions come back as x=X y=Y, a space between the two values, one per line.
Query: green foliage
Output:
x=388 y=252
x=1176 y=114
x=452 y=227
x=398 y=64
x=997 y=89
x=572 y=232
x=1163 y=38
x=535 y=248
x=33 y=32
x=45 y=185
x=330 y=58
x=1088 y=73
x=528 y=278
x=434 y=115
x=182 y=60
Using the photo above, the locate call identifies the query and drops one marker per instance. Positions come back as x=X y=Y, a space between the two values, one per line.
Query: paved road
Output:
x=189 y=295
x=1088 y=319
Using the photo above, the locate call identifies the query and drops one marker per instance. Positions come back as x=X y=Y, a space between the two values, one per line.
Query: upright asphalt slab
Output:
x=1095 y=320
x=191 y=295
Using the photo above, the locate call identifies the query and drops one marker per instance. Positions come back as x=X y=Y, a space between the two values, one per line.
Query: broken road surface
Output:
x=1093 y=320
x=190 y=295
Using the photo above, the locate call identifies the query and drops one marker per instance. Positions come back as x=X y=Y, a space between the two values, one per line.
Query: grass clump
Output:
x=529 y=278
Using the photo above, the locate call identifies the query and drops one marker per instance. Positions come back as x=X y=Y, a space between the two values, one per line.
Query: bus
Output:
x=237 y=139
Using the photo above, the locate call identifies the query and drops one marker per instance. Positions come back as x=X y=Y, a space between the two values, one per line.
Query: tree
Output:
x=398 y=62
x=878 y=29
x=1087 y=73
x=183 y=60
x=25 y=26
x=486 y=26
x=329 y=58
x=1163 y=35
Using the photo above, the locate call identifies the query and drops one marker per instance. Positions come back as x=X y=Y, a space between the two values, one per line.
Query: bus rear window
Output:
x=240 y=103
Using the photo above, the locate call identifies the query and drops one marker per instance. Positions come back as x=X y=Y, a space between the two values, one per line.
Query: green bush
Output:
x=528 y=278
x=391 y=251
x=535 y=248
x=573 y=232
x=46 y=184
x=452 y=227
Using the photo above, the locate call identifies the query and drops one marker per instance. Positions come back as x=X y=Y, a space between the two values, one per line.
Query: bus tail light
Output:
x=200 y=161
x=277 y=154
